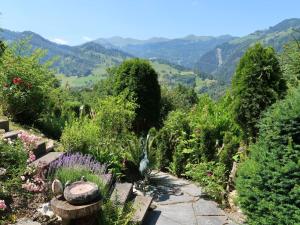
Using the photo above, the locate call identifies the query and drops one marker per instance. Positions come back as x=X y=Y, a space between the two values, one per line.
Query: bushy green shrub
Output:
x=290 y=63
x=206 y=133
x=140 y=80
x=179 y=98
x=257 y=83
x=210 y=176
x=167 y=139
x=13 y=158
x=26 y=84
x=106 y=135
x=268 y=182
x=114 y=214
x=81 y=135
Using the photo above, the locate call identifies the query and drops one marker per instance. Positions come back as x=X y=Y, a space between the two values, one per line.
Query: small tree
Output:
x=290 y=63
x=268 y=181
x=25 y=83
x=139 y=79
x=257 y=84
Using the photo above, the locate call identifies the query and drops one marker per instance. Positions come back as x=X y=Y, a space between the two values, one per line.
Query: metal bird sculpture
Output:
x=144 y=163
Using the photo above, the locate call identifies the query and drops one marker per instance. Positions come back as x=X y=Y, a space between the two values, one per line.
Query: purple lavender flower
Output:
x=72 y=160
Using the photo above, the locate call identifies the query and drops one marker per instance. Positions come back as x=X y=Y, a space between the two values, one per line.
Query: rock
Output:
x=2 y=171
x=46 y=210
x=26 y=221
x=232 y=198
x=81 y=192
x=57 y=187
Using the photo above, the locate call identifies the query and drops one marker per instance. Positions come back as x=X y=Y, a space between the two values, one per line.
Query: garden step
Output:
x=47 y=159
x=141 y=205
x=121 y=193
x=40 y=149
x=4 y=124
x=11 y=134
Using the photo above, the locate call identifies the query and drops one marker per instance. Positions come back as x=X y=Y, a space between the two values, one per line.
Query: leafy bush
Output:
x=81 y=135
x=268 y=182
x=257 y=83
x=179 y=98
x=26 y=83
x=13 y=158
x=113 y=214
x=106 y=136
x=140 y=80
x=290 y=63
x=167 y=139
x=61 y=108
x=210 y=176
x=206 y=133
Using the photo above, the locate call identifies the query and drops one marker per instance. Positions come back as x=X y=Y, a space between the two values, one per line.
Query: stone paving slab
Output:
x=179 y=202
x=47 y=159
x=11 y=134
x=204 y=207
x=4 y=124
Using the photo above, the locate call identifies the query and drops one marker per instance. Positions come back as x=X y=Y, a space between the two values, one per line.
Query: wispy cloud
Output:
x=86 y=38
x=60 y=41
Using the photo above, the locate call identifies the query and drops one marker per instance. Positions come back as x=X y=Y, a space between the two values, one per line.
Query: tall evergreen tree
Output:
x=140 y=80
x=257 y=84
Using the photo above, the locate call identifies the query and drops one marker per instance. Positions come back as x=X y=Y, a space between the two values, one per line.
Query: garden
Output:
x=246 y=142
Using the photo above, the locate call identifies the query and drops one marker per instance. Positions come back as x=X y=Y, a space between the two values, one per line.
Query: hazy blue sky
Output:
x=75 y=21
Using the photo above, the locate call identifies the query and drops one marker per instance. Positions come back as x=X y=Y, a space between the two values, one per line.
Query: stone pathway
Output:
x=179 y=202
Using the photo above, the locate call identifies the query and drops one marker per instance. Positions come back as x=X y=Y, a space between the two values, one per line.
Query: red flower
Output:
x=17 y=80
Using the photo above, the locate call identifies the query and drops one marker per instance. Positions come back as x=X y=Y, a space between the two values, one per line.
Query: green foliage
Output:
x=26 y=83
x=268 y=181
x=114 y=214
x=80 y=135
x=290 y=63
x=206 y=133
x=167 y=138
x=60 y=109
x=139 y=79
x=178 y=98
x=257 y=84
x=210 y=176
x=2 y=48
x=14 y=159
x=106 y=135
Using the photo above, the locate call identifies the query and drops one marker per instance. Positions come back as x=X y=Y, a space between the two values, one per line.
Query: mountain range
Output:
x=176 y=60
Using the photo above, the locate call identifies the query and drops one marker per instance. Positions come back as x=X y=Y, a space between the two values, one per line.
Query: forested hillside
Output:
x=222 y=60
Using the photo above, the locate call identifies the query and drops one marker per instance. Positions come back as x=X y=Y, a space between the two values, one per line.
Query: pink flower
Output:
x=209 y=173
x=2 y=205
x=32 y=157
